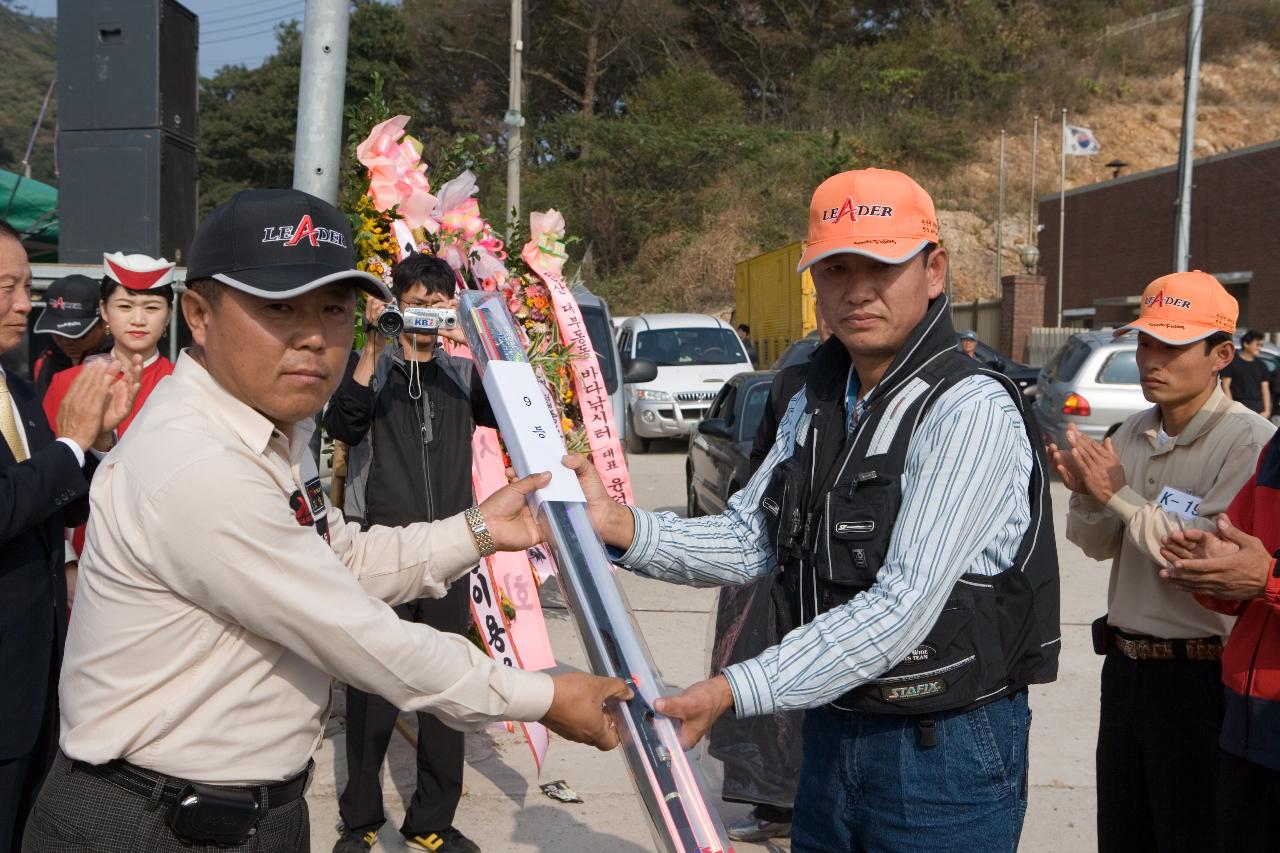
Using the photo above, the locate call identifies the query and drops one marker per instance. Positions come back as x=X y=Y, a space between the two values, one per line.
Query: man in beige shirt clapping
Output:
x=1173 y=466
x=220 y=593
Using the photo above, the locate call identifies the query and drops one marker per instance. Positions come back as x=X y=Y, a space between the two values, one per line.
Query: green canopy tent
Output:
x=33 y=210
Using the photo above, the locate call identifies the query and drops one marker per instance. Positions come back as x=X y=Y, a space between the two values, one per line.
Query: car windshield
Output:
x=669 y=347
x=798 y=353
x=753 y=409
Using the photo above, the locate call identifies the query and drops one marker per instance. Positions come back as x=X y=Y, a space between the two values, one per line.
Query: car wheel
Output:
x=691 y=508
x=636 y=443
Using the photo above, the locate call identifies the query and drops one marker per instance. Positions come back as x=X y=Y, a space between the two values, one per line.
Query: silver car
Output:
x=1091 y=382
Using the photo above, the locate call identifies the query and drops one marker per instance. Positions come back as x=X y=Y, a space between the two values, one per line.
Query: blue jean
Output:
x=867 y=785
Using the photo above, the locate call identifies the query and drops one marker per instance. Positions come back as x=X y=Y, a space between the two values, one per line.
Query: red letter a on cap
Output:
x=848 y=208
x=304 y=228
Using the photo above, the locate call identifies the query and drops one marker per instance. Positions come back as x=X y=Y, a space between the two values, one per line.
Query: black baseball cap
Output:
x=277 y=244
x=71 y=306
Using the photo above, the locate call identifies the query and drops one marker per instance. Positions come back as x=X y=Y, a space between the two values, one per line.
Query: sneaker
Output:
x=752 y=828
x=447 y=840
x=356 y=842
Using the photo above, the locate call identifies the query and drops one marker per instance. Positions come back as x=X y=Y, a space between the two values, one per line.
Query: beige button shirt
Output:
x=209 y=618
x=1211 y=459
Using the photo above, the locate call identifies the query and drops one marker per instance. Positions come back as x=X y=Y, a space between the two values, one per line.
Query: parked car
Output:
x=799 y=352
x=1091 y=382
x=1023 y=375
x=595 y=316
x=718 y=463
x=694 y=354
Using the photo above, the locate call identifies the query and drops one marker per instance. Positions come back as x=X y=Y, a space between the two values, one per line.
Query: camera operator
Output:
x=407 y=413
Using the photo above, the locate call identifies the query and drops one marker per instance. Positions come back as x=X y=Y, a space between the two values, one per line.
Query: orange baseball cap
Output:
x=879 y=213
x=1185 y=307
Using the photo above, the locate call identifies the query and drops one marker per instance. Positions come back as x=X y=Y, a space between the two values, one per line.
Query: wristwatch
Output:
x=480 y=531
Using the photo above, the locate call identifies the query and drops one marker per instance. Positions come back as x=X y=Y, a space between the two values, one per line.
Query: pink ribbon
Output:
x=544 y=253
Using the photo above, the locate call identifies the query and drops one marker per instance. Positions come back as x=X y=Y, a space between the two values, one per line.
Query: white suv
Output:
x=694 y=354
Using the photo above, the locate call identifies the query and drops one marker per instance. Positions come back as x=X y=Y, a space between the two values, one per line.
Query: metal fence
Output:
x=1045 y=341
x=981 y=315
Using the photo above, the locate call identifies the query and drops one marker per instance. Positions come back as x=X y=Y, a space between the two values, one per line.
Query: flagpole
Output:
x=1000 y=220
x=1062 y=208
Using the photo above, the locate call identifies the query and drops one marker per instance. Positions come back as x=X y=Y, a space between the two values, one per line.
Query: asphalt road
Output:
x=504 y=810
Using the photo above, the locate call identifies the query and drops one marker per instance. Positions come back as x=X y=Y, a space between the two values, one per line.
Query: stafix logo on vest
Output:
x=853 y=211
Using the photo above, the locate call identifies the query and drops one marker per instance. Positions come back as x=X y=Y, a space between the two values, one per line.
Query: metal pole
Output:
x=1000 y=220
x=322 y=83
x=1062 y=209
x=513 y=118
x=1031 y=215
x=1187 y=154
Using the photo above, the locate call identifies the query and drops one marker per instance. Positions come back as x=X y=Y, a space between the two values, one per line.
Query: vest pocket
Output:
x=939 y=674
x=857 y=535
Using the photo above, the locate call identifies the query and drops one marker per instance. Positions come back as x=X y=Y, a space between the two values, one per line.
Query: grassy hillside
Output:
x=680 y=136
x=28 y=46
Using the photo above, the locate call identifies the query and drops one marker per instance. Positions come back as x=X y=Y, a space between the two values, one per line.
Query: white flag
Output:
x=1080 y=141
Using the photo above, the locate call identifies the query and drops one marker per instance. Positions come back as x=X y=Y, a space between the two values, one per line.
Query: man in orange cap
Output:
x=906 y=504
x=1169 y=468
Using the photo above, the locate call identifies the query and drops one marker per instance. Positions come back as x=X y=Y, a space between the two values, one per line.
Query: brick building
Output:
x=1119 y=236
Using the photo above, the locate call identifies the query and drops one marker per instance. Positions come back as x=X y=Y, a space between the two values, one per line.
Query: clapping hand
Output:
x=102 y=396
x=1089 y=467
x=1228 y=564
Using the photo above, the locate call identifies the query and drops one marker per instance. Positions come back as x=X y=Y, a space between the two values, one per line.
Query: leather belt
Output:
x=142 y=782
x=1154 y=648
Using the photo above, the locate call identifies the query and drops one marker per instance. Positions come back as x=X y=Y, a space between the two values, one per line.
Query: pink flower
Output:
x=397 y=175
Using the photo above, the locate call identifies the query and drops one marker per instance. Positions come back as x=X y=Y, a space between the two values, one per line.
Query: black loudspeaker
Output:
x=126 y=64
x=125 y=190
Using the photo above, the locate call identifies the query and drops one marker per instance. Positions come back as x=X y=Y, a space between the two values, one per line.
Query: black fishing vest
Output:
x=830 y=512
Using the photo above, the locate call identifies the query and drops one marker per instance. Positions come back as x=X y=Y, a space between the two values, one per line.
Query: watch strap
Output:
x=480 y=531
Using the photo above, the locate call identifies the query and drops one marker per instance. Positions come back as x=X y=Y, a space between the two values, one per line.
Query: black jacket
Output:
x=394 y=477
x=38 y=499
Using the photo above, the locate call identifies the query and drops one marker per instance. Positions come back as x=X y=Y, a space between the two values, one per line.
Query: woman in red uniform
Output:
x=136 y=300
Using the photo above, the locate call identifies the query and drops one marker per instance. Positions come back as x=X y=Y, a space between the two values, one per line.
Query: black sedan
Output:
x=1023 y=375
x=720 y=448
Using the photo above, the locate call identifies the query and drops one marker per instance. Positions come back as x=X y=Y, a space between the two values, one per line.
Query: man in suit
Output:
x=43 y=489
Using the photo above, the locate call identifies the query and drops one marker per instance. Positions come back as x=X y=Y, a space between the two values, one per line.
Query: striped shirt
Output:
x=965 y=508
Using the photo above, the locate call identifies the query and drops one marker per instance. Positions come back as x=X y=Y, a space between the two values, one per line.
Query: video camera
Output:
x=416 y=321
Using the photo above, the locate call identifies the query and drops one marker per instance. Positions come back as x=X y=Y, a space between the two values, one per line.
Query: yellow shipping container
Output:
x=774 y=300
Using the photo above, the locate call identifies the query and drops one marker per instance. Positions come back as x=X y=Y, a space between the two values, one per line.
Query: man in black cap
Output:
x=220 y=593
x=71 y=317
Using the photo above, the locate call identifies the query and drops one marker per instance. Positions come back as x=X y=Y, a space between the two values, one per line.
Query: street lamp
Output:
x=1030 y=256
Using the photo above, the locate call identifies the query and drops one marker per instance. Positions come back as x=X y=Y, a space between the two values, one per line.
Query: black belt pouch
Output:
x=205 y=814
x=1101 y=636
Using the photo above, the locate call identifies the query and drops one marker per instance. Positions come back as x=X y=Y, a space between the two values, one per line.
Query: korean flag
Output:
x=1080 y=141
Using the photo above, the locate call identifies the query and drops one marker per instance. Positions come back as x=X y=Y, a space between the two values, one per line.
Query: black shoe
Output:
x=752 y=828
x=356 y=842
x=447 y=840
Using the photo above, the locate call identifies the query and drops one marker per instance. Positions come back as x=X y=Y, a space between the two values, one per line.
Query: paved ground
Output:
x=505 y=812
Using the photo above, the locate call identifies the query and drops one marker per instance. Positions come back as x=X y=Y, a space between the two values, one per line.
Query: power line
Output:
x=220 y=18
x=269 y=29
x=287 y=16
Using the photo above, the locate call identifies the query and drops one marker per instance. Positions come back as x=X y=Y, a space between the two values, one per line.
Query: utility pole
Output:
x=513 y=119
x=1187 y=152
x=1062 y=209
x=322 y=82
x=1031 y=212
x=1000 y=220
